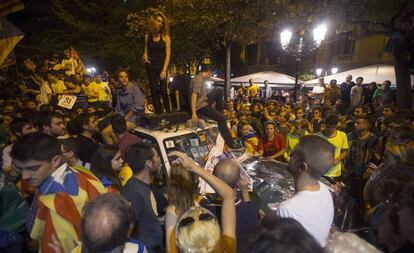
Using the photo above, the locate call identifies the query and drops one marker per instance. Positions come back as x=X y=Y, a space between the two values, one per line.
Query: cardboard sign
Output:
x=67 y=101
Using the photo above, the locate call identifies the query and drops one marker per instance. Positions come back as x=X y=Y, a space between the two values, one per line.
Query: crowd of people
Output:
x=75 y=179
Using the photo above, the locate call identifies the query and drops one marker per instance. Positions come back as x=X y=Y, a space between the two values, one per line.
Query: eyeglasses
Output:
x=190 y=220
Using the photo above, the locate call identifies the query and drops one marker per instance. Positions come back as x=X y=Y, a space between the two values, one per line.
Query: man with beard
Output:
x=145 y=163
x=51 y=123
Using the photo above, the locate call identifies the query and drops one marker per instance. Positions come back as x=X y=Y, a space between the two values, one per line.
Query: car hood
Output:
x=272 y=182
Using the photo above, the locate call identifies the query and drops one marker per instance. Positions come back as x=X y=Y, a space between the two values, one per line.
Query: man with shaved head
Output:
x=107 y=223
x=247 y=214
x=312 y=205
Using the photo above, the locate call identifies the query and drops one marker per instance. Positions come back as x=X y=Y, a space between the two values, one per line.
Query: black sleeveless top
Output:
x=156 y=52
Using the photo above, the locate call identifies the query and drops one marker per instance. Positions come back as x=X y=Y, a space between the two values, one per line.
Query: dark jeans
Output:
x=217 y=115
x=158 y=88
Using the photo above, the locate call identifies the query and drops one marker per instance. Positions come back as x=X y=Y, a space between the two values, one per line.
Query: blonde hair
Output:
x=200 y=236
x=165 y=30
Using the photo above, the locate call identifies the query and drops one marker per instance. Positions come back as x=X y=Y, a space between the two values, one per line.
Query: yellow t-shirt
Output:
x=91 y=89
x=59 y=87
x=291 y=141
x=340 y=141
x=103 y=91
x=253 y=90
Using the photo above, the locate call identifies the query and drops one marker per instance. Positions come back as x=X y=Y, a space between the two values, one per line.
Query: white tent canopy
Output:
x=374 y=73
x=274 y=78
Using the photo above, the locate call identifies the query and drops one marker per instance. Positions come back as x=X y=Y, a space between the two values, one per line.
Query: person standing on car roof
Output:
x=202 y=104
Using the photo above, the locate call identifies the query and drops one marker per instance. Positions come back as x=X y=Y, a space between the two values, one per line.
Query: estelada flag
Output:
x=10 y=6
x=81 y=66
x=10 y=35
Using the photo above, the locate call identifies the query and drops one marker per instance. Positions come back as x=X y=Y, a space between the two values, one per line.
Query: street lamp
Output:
x=285 y=38
x=319 y=34
x=334 y=70
x=297 y=50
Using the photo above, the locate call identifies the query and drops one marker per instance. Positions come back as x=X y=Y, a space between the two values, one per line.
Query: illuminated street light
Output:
x=319 y=34
x=301 y=48
x=334 y=70
x=91 y=70
x=171 y=79
x=318 y=71
x=285 y=37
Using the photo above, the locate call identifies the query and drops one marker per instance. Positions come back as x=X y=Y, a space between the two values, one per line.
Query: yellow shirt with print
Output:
x=253 y=90
x=92 y=88
x=291 y=141
x=340 y=141
x=59 y=87
x=104 y=92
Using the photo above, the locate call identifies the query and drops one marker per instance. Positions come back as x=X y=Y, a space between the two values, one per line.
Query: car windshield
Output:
x=197 y=145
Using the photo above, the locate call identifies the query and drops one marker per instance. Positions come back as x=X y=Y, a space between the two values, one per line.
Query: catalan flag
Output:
x=59 y=202
x=10 y=35
x=10 y=6
x=81 y=69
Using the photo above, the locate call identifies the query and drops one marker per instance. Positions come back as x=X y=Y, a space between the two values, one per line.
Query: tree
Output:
x=96 y=29
x=198 y=26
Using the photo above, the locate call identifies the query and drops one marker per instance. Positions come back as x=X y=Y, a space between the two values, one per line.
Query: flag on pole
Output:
x=81 y=67
x=10 y=6
x=10 y=35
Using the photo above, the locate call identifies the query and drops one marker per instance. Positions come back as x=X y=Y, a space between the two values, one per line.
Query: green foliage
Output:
x=200 y=26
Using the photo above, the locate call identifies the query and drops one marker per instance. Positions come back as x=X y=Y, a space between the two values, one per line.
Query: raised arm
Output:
x=228 y=213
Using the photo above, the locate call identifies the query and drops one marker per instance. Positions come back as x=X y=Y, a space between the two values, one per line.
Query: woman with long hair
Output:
x=106 y=163
x=198 y=230
x=156 y=57
x=181 y=194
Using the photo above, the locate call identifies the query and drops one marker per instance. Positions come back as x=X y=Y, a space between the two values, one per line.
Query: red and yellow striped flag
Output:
x=60 y=208
x=10 y=6
x=10 y=35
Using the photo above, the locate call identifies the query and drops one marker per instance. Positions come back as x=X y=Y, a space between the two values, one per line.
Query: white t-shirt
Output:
x=313 y=209
x=318 y=90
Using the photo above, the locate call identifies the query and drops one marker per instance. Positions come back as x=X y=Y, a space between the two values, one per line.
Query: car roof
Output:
x=173 y=132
